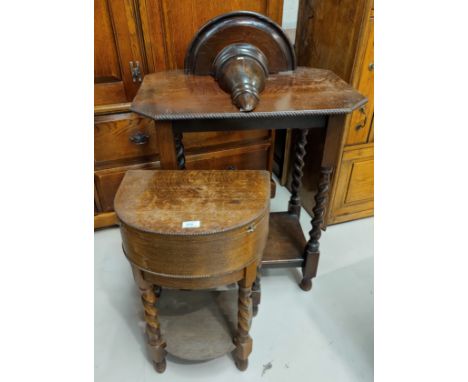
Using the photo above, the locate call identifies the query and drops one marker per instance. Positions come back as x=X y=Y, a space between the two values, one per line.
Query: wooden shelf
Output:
x=286 y=241
x=198 y=325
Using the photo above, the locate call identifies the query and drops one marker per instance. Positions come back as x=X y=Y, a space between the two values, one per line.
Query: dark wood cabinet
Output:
x=136 y=37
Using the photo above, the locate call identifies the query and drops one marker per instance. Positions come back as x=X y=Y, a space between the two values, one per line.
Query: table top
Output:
x=173 y=95
x=192 y=202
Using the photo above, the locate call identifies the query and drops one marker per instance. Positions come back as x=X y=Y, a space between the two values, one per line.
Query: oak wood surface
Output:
x=157 y=33
x=172 y=95
x=286 y=241
x=116 y=43
x=251 y=156
x=169 y=27
x=231 y=208
x=338 y=36
x=158 y=201
x=113 y=136
x=355 y=186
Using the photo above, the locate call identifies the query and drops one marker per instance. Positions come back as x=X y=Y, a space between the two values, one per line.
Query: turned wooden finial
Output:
x=240 y=70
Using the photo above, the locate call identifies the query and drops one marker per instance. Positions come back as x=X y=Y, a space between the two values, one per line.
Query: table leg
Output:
x=256 y=291
x=156 y=344
x=180 y=152
x=243 y=341
x=167 y=152
x=311 y=251
x=294 y=206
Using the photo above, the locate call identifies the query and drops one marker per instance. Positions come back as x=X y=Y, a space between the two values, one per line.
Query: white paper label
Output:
x=191 y=224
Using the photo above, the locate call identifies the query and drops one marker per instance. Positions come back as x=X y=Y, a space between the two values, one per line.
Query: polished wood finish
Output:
x=239 y=27
x=157 y=34
x=250 y=156
x=168 y=157
x=170 y=27
x=294 y=205
x=304 y=99
x=240 y=49
x=339 y=36
x=194 y=229
x=172 y=95
x=124 y=138
x=116 y=43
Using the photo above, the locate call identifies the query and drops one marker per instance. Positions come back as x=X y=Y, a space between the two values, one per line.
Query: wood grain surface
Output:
x=160 y=201
x=172 y=95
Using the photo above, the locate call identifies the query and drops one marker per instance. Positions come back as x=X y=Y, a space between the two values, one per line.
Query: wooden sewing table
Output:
x=303 y=99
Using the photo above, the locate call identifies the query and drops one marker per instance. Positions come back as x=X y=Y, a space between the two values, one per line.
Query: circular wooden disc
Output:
x=240 y=27
x=198 y=325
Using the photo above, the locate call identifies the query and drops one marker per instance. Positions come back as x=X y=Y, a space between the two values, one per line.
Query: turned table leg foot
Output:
x=311 y=251
x=156 y=344
x=305 y=284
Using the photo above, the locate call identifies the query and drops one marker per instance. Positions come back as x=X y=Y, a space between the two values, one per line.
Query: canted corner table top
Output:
x=174 y=95
x=192 y=202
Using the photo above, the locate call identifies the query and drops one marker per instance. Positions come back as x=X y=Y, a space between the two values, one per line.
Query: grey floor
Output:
x=322 y=335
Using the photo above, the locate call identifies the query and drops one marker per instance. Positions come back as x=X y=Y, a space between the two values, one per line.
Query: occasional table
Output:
x=303 y=99
x=195 y=230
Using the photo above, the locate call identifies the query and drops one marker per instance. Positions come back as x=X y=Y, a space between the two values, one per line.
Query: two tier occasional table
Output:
x=305 y=98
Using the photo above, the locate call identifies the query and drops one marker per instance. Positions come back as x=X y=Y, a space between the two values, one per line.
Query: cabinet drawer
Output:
x=355 y=186
x=254 y=157
x=124 y=138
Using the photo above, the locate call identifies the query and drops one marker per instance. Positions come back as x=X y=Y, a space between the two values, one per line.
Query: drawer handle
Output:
x=362 y=123
x=139 y=138
x=231 y=167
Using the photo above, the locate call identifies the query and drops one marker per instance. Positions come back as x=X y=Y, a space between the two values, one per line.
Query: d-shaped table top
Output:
x=173 y=95
x=193 y=202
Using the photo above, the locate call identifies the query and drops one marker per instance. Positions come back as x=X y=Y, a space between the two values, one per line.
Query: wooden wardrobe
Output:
x=339 y=35
x=136 y=37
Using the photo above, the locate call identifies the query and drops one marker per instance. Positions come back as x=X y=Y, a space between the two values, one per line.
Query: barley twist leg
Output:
x=156 y=344
x=294 y=206
x=243 y=341
x=180 y=150
x=311 y=251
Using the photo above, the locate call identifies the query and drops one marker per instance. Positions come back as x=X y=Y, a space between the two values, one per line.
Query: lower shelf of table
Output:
x=286 y=241
x=198 y=325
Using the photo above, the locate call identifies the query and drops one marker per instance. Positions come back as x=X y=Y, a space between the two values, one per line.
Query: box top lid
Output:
x=192 y=202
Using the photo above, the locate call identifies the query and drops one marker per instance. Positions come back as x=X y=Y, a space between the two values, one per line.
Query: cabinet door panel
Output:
x=355 y=186
x=181 y=20
x=361 y=120
x=117 y=41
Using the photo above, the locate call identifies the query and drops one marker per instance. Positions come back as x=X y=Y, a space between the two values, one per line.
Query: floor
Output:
x=322 y=335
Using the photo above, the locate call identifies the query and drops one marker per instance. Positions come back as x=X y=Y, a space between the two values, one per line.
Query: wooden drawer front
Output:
x=244 y=158
x=115 y=139
x=355 y=187
x=106 y=183
x=197 y=142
